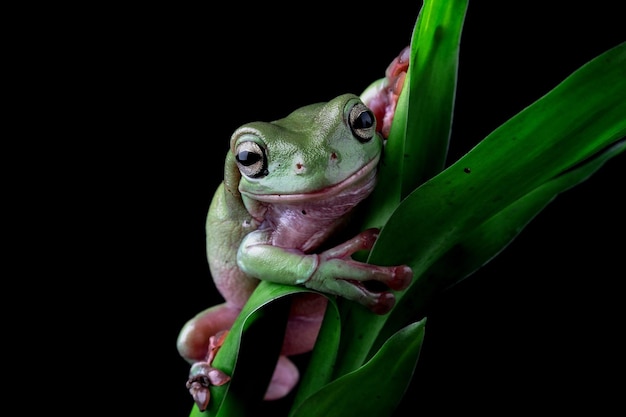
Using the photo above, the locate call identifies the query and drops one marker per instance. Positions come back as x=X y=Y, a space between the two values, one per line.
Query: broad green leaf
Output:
x=261 y=326
x=417 y=146
x=418 y=142
x=582 y=117
x=485 y=242
x=320 y=367
x=376 y=388
x=435 y=56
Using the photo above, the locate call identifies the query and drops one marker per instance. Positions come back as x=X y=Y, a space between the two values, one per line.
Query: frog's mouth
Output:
x=357 y=185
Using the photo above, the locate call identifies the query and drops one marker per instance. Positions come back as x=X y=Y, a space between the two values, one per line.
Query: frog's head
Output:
x=316 y=152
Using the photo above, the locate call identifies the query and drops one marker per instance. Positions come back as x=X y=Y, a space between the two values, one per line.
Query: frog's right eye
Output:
x=251 y=159
x=362 y=122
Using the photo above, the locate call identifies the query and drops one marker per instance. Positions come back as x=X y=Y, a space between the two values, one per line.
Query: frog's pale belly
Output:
x=304 y=228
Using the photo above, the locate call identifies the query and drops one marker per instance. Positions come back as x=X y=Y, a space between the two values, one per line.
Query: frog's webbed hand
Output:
x=336 y=273
x=331 y=272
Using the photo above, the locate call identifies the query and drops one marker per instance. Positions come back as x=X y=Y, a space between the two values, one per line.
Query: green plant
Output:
x=475 y=207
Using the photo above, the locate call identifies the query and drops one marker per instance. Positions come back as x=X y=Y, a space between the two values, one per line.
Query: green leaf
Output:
x=418 y=142
x=531 y=149
x=320 y=367
x=376 y=388
x=261 y=326
x=521 y=167
x=434 y=56
x=485 y=242
x=582 y=117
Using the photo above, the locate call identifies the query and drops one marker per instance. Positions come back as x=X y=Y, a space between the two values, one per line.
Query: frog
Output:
x=289 y=188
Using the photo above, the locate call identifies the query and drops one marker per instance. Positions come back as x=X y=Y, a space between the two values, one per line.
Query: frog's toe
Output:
x=285 y=377
x=370 y=294
x=375 y=293
x=383 y=303
x=400 y=278
x=396 y=278
x=200 y=393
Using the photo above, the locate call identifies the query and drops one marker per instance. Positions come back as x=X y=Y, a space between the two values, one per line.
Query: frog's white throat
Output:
x=304 y=221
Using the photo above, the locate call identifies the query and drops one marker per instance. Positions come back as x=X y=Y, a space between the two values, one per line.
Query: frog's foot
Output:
x=338 y=274
x=382 y=97
x=198 y=343
x=202 y=374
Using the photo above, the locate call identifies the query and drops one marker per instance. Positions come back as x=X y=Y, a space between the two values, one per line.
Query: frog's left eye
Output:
x=251 y=159
x=362 y=122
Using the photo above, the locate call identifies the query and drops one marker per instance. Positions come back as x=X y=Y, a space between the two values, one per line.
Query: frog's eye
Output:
x=362 y=122
x=251 y=159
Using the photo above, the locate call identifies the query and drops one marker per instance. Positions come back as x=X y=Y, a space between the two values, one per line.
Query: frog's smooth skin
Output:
x=289 y=186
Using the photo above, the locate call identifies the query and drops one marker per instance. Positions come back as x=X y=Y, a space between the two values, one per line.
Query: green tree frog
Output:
x=289 y=186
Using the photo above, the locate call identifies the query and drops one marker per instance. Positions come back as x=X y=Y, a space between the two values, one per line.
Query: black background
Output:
x=538 y=328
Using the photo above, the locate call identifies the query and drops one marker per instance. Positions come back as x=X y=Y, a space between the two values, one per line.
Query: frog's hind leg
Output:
x=199 y=340
x=193 y=339
x=305 y=320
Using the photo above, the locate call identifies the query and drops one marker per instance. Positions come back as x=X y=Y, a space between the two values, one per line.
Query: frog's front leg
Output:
x=331 y=272
x=338 y=274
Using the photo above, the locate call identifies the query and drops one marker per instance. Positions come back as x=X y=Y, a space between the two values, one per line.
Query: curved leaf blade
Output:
x=435 y=57
x=534 y=156
x=531 y=149
x=269 y=302
x=418 y=142
x=485 y=242
x=376 y=388
x=320 y=367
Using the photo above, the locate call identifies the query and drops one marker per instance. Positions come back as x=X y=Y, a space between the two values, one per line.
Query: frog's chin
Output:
x=359 y=184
